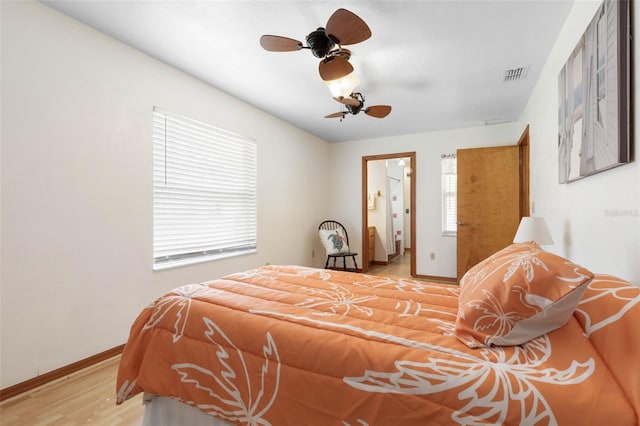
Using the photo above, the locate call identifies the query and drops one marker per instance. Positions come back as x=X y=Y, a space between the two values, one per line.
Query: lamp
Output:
x=533 y=229
x=343 y=87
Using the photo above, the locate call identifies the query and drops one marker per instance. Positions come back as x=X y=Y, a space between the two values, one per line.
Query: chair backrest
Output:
x=330 y=225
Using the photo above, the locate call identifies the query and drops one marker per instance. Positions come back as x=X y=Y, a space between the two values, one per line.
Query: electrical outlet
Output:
x=432 y=256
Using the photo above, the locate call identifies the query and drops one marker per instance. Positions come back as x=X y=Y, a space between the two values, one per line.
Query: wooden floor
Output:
x=399 y=266
x=85 y=397
x=88 y=397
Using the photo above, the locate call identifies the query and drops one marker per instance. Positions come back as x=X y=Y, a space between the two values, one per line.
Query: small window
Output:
x=449 y=194
x=204 y=192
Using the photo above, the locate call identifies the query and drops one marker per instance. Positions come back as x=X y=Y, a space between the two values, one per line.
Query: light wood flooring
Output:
x=85 y=397
x=88 y=396
x=399 y=266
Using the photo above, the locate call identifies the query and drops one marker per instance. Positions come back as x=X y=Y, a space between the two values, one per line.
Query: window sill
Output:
x=201 y=259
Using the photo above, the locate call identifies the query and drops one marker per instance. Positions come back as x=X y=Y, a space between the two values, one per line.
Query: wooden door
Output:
x=488 y=202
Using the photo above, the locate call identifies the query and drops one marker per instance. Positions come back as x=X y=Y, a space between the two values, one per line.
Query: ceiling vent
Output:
x=501 y=120
x=515 y=74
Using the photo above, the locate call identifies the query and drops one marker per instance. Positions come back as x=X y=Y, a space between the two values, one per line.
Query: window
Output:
x=204 y=192
x=449 y=194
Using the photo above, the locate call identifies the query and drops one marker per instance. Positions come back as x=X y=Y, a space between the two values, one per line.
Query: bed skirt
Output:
x=162 y=411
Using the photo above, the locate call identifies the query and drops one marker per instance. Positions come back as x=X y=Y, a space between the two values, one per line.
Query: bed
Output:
x=291 y=345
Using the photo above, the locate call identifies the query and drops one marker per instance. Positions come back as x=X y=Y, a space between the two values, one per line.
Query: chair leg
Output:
x=344 y=262
x=326 y=264
x=354 y=262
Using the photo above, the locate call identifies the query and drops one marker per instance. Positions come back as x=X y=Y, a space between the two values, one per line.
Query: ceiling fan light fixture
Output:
x=343 y=87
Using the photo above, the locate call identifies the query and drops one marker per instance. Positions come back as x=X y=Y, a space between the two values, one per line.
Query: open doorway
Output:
x=379 y=196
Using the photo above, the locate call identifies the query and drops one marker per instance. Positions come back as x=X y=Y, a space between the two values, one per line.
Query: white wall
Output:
x=594 y=221
x=346 y=175
x=77 y=187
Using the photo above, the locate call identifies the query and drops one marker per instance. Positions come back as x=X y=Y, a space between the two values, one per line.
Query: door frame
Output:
x=525 y=201
x=365 y=210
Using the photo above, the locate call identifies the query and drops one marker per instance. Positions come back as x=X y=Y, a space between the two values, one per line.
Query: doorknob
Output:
x=462 y=224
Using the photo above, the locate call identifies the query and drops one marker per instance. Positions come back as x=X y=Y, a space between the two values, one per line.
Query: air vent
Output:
x=501 y=120
x=515 y=74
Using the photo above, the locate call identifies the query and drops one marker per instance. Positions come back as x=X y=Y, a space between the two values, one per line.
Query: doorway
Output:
x=371 y=197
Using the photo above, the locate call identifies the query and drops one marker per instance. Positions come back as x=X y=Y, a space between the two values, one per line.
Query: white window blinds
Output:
x=449 y=194
x=204 y=192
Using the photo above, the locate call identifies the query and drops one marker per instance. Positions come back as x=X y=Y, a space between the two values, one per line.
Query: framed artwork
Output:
x=594 y=96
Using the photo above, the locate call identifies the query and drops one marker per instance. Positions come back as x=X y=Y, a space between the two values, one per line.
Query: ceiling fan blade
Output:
x=346 y=27
x=279 y=44
x=347 y=101
x=378 y=111
x=334 y=67
x=335 y=115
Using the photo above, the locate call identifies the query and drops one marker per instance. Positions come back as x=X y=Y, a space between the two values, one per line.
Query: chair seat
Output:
x=342 y=256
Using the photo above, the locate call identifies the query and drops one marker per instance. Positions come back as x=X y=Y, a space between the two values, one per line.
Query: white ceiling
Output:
x=439 y=64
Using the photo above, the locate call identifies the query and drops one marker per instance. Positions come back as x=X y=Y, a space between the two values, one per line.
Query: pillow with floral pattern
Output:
x=517 y=294
x=334 y=241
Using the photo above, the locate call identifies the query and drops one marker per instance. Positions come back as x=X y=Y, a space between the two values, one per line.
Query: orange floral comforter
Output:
x=288 y=345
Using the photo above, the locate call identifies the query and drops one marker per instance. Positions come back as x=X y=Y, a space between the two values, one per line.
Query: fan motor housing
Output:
x=354 y=109
x=319 y=43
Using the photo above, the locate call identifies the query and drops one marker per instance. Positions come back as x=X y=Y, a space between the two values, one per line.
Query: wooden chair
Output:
x=340 y=238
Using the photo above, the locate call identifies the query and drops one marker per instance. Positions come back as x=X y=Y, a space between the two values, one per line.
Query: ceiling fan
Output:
x=343 y=28
x=355 y=103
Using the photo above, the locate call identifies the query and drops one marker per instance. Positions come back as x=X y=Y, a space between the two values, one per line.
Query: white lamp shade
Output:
x=533 y=229
x=343 y=87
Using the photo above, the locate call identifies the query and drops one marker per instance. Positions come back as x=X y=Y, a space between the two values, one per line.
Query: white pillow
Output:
x=334 y=241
